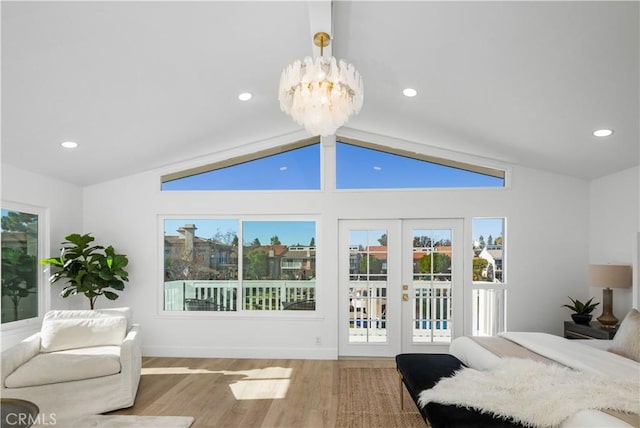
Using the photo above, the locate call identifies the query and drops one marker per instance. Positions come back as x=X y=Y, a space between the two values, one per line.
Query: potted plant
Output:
x=582 y=311
x=90 y=270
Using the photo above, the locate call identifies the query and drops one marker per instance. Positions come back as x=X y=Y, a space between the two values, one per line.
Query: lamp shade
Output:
x=610 y=276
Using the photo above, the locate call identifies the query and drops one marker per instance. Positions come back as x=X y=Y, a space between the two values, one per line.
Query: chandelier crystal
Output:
x=320 y=95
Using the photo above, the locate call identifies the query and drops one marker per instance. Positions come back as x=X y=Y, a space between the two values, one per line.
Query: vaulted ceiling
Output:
x=144 y=84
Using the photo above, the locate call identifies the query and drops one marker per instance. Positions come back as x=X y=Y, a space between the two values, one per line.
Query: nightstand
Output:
x=592 y=331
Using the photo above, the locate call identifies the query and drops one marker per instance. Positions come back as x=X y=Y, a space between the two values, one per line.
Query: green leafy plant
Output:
x=90 y=270
x=582 y=308
x=19 y=276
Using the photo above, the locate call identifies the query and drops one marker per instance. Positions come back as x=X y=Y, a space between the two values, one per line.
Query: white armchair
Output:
x=80 y=363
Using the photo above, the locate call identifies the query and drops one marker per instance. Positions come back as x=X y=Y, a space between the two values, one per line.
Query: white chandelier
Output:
x=320 y=95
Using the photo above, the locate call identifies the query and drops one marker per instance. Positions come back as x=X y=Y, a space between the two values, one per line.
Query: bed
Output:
x=605 y=368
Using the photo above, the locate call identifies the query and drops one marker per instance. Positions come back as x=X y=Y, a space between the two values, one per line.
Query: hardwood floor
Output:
x=244 y=392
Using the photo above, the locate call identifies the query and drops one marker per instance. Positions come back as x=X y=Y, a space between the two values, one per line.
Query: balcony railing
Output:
x=488 y=311
x=431 y=312
x=221 y=295
x=431 y=317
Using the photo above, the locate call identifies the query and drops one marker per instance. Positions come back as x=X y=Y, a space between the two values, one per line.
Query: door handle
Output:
x=405 y=296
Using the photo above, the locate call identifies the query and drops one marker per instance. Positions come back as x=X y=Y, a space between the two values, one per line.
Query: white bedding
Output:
x=572 y=353
x=577 y=355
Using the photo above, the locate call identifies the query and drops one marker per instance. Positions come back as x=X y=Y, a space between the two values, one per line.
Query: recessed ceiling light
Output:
x=245 y=96
x=69 y=144
x=409 y=92
x=602 y=132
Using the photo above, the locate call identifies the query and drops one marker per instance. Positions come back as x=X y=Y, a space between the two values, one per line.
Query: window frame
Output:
x=481 y=284
x=416 y=151
x=470 y=165
x=44 y=287
x=501 y=287
x=240 y=313
x=229 y=162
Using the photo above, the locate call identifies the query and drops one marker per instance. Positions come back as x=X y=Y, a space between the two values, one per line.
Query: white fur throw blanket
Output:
x=533 y=393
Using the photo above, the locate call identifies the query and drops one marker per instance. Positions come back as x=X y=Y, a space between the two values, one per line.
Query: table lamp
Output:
x=608 y=277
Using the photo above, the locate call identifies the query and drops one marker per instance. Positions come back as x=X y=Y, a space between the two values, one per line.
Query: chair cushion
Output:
x=61 y=331
x=92 y=313
x=124 y=311
x=65 y=366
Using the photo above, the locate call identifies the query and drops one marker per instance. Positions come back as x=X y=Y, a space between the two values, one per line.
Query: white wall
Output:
x=63 y=202
x=614 y=207
x=547 y=217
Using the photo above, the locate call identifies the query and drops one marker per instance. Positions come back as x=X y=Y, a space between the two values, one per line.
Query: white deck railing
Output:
x=431 y=312
x=488 y=311
x=222 y=295
x=431 y=309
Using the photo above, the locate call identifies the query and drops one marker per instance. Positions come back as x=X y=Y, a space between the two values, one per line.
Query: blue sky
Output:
x=288 y=232
x=294 y=232
x=481 y=226
x=486 y=227
x=356 y=168
x=292 y=170
x=362 y=168
x=301 y=232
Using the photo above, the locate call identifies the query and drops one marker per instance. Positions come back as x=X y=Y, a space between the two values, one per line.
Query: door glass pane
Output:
x=367 y=286
x=432 y=258
x=19 y=266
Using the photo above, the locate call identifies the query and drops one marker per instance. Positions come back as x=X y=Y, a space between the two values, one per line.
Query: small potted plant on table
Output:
x=582 y=311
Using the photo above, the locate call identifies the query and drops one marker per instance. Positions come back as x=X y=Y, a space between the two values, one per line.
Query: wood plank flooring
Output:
x=244 y=392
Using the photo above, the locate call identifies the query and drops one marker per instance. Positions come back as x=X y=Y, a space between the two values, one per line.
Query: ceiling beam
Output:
x=320 y=20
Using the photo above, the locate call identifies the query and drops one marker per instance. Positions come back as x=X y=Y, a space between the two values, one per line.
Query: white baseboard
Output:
x=258 y=353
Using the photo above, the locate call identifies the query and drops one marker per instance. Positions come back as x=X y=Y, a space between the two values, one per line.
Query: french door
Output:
x=400 y=286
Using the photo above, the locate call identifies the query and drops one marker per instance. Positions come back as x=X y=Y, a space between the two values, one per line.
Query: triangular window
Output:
x=369 y=166
x=293 y=167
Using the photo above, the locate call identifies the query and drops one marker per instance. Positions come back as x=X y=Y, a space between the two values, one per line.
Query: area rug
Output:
x=370 y=398
x=128 y=421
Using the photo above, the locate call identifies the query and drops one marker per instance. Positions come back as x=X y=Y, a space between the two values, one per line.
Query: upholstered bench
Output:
x=422 y=371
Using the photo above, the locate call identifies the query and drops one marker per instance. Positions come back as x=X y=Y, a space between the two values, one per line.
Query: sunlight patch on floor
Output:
x=265 y=389
x=270 y=383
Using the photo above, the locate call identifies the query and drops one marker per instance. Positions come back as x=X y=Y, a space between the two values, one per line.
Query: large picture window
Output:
x=206 y=268
x=20 y=269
